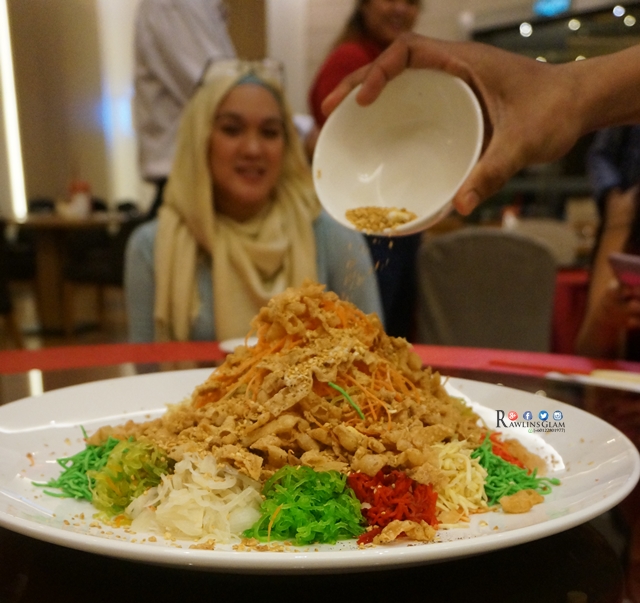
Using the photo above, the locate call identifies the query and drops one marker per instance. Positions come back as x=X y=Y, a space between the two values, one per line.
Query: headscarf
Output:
x=250 y=261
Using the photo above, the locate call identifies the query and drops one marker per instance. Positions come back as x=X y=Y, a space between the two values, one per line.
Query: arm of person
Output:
x=534 y=111
x=611 y=308
x=139 y=283
x=345 y=266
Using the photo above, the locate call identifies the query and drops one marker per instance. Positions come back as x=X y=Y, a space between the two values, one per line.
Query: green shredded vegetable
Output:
x=348 y=398
x=504 y=478
x=306 y=506
x=74 y=481
x=131 y=469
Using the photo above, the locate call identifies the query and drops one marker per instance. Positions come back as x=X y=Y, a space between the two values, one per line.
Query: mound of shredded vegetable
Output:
x=461 y=492
x=306 y=506
x=505 y=478
x=326 y=425
x=132 y=467
x=75 y=481
x=391 y=495
x=323 y=387
x=201 y=500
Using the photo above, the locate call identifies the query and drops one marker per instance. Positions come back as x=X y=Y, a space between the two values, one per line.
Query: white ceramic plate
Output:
x=229 y=345
x=597 y=464
x=613 y=379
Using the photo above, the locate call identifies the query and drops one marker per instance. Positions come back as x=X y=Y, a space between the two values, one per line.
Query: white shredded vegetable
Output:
x=201 y=501
x=464 y=490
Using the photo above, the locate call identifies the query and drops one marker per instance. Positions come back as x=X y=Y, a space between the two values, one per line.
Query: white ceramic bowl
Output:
x=410 y=149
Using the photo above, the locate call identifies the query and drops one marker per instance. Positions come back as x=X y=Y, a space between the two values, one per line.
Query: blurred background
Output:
x=67 y=83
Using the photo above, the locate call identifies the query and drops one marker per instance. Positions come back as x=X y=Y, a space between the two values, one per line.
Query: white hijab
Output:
x=250 y=261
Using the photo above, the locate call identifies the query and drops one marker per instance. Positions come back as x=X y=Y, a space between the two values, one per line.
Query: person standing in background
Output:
x=372 y=27
x=613 y=163
x=611 y=327
x=175 y=41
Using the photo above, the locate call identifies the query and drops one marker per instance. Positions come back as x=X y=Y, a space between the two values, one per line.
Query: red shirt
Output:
x=345 y=59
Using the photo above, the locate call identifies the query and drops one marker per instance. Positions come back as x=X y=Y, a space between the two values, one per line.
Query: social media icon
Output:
x=528 y=415
x=513 y=415
x=543 y=415
x=557 y=415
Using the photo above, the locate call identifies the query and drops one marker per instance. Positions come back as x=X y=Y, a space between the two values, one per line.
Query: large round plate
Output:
x=597 y=464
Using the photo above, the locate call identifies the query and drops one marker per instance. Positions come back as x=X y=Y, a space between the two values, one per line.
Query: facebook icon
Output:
x=527 y=415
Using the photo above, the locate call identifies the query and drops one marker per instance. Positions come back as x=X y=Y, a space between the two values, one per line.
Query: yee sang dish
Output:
x=327 y=429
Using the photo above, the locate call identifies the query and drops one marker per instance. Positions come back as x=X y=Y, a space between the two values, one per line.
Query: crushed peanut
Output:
x=378 y=219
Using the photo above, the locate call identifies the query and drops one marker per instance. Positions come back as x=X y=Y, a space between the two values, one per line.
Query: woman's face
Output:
x=246 y=150
x=385 y=20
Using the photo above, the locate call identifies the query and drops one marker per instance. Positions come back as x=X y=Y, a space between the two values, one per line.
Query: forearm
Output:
x=608 y=89
x=599 y=339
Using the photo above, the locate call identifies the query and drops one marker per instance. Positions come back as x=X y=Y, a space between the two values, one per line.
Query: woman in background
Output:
x=240 y=221
x=613 y=163
x=611 y=326
x=612 y=318
x=372 y=27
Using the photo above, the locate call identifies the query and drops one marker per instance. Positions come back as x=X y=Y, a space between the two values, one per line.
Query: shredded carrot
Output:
x=272 y=520
x=498 y=448
x=371 y=395
x=322 y=389
x=378 y=375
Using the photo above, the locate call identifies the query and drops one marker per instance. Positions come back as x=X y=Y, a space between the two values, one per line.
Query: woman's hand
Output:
x=534 y=111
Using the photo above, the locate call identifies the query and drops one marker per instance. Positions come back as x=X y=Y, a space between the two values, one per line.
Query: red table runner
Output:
x=82 y=356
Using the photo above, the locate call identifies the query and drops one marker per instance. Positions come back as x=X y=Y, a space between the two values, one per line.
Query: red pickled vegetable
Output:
x=391 y=495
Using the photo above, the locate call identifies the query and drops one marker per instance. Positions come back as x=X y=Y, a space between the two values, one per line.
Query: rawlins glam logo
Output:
x=509 y=420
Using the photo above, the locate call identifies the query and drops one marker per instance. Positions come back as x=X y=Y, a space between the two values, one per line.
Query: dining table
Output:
x=50 y=234
x=576 y=565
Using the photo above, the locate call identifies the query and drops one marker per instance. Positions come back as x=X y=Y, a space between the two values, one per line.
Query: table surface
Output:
x=575 y=565
x=46 y=221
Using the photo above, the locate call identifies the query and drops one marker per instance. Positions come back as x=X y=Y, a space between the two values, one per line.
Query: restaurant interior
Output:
x=551 y=201
x=69 y=205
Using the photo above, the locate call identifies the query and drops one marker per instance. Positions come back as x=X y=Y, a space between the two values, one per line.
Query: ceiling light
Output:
x=9 y=112
x=525 y=29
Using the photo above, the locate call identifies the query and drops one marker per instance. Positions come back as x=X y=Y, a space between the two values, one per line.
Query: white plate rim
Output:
x=41 y=414
x=229 y=345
